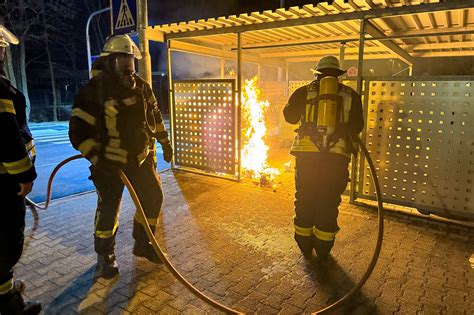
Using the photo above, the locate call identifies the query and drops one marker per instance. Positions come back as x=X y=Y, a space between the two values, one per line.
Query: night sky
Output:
x=172 y=11
x=165 y=11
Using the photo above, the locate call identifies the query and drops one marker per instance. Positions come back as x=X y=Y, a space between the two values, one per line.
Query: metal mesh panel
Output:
x=294 y=85
x=204 y=119
x=420 y=136
x=274 y=93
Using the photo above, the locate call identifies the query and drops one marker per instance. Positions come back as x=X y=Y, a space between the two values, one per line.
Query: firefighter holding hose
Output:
x=328 y=113
x=114 y=123
x=17 y=174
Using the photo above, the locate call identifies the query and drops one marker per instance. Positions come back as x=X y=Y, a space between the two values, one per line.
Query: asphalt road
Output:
x=53 y=146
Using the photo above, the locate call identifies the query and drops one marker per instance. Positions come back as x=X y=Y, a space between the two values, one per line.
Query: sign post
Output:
x=123 y=16
x=88 y=42
x=144 y=65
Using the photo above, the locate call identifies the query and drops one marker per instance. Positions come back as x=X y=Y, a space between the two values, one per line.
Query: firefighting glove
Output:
x=167 y=152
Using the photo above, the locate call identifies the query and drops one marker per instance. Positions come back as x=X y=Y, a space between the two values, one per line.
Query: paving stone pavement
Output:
x=234 y=241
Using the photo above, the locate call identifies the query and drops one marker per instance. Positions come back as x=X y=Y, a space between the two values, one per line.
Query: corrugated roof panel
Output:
x=345 y=30
x=300 y=12
x=196 y=25
x=259 y=17
x=272 y=16
x=237 y=21
x=311 y=10
x=273 y=35
x=249 y=19
x=260 y=37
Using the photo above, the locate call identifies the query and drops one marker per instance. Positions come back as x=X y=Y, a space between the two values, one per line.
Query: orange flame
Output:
x=255 y=150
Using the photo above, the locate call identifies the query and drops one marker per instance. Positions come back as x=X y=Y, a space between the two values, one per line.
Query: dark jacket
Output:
x=17 y=149
x=295 y=110
x=115 y=123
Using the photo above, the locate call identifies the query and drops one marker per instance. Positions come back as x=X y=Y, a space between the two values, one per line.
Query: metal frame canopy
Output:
x=404 y=29
x=357 y=30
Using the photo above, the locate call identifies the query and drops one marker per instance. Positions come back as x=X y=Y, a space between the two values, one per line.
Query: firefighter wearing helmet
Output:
x=328 y=113
x=17 y=174
x=114 y=123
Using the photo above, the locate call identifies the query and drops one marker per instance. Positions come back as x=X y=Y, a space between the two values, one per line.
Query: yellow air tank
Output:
x=327 y=107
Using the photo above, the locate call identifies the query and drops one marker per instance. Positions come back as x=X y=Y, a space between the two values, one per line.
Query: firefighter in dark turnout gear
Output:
x=17 y=174
x=114 y=123
x=321 y=170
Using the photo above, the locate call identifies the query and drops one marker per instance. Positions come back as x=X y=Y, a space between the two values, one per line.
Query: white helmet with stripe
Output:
x=7 y=37
x=121 y=44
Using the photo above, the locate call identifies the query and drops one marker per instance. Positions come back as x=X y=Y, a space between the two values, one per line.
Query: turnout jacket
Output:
x=17 y=149
x=302 y=109
x=113 y=123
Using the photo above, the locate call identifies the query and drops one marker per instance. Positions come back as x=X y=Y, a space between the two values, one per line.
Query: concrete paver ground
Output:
x=234 y=241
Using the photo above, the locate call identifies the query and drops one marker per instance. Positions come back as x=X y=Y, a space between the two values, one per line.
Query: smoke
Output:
x=191 y=66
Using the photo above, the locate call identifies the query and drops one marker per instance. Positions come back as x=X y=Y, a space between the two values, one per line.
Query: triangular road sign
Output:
x=125 y=17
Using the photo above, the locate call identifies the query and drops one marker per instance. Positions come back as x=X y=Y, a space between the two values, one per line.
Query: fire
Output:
x=255 y=150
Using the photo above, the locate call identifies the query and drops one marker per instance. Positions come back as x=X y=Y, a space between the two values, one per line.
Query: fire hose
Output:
x=194 y=290
x=378 y=245
x=149 y=233
x=50 y=183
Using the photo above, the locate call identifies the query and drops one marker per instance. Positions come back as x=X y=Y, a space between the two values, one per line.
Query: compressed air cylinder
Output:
x=327 y=108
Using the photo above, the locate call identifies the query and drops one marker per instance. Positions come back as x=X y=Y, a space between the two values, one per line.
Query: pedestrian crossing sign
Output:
x=123 y=16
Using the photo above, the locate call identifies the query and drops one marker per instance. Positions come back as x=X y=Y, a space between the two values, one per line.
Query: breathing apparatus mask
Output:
x=122 y=68
x=121 y=53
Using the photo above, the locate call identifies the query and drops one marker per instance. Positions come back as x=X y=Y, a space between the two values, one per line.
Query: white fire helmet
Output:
x=326 y=63
x=121 y=44
x=7 y=37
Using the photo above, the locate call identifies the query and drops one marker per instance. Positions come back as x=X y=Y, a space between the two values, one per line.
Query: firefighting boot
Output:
x=143 y=247
x=322 y=249
x=19 y=286
x=107 y=266
x=305 y=243
x=147 y=251
x=12 y=303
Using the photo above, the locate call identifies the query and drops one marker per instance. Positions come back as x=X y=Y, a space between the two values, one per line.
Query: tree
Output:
x=56 y=18
x=51 y=33
x=42 y=26
x=10 y=73
x=20 y=16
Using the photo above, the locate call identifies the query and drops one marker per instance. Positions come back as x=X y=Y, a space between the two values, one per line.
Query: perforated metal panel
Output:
x=294 y=85
x=204 y=119
x=420 y=135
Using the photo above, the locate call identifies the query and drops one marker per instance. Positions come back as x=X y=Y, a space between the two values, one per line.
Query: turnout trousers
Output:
x=12 y=226
x=320 y=180
x=147 y=184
